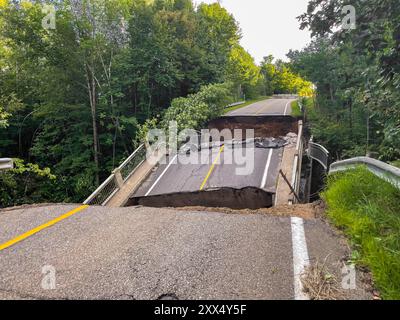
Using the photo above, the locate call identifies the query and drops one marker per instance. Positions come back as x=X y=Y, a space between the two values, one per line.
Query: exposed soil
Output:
x=252 y=198
x=305 y=211
x=264 y=126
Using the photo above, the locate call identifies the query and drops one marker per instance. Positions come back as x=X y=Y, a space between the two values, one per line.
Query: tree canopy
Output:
x=357 y=74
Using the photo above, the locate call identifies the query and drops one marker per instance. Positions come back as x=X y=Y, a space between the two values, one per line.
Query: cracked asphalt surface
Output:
x=179 y=178
x=183 y=178
x=146 y=253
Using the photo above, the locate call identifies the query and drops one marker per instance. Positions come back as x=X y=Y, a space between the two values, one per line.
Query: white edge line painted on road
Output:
x=161 y=175
x=265 y=176
x=300 y=256
x=286 y=107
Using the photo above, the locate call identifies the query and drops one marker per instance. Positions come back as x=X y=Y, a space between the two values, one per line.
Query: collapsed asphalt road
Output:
x=259 y=168
x=147 y=253
x=179 y=182
x=80 y=252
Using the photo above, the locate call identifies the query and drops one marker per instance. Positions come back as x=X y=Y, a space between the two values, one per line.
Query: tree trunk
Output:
x=95 y=134
x=91 y=86
x=351 y=118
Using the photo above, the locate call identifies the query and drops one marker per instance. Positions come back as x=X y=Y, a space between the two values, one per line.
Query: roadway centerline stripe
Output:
x=300 y=257
x=212 y=168
x=267 y=165
x=259 y=111
x=161 y=175
x=40 y=228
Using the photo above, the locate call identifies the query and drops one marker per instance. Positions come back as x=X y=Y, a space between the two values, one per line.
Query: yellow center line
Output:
x=40 y=228
x=212 y=168
x=259 y=111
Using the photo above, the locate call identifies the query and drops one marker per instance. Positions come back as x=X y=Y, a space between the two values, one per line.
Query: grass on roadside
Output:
x=246 y=104
x=396 y=163
x=308 y=104
x=367 y=208
x=296 y=112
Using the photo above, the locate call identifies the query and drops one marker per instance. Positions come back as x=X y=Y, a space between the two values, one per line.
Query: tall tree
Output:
x=242 y=70
x=364 y=62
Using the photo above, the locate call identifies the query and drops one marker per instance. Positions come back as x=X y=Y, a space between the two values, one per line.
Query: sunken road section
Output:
x=174 y=184
x=246 y=198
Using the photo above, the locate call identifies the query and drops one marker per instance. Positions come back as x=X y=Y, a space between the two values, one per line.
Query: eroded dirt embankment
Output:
x=263 y=126
x=305 y=211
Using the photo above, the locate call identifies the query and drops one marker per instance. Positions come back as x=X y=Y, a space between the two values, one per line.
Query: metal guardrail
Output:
x=6 y=164
x=234 y=104
x=379 y=168
x=128 y=167
x=104 y=193
x=116 y=180
x=286 y=96
x=319 y=154
x=297 y=162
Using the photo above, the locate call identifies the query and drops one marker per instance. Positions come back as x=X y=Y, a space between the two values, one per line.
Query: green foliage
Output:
x=242 y=70
x=280 y=78
x=3 y=118
x=218 y=33
x=296 y=112
x=26 y=184
x=396 y=163
x=173 y=52
x=357 y=74
x=367 y=208
x=77 y=98
x=195 y=110
x=60 y=86
x=144 y=129
x=342 y=140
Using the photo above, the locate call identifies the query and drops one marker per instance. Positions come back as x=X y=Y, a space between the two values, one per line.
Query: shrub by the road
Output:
x=21 y=185
x=195 y=110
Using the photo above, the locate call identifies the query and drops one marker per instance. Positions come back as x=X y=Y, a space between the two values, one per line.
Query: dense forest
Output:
x=357 y=74
x=77 y=98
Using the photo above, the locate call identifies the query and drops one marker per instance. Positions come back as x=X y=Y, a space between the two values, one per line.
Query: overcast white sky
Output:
x=268 y=26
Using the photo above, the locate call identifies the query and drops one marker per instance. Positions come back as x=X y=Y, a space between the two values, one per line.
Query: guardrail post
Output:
x=118 y=178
